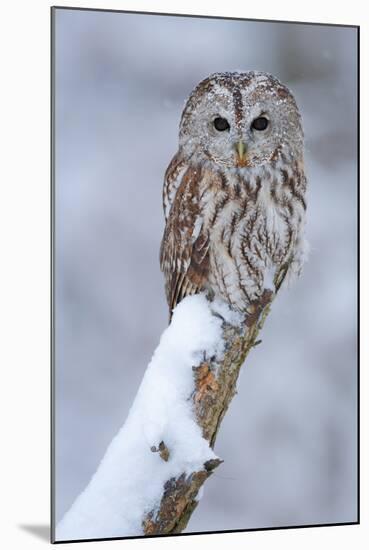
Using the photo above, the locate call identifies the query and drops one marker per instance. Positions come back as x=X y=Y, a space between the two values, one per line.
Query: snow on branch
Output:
x=149 y=479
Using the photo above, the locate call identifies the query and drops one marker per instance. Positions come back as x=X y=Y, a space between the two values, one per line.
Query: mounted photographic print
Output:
x=205 y=274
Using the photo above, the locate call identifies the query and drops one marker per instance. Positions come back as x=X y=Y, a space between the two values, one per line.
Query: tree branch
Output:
x=149 y=479
x=215 y=385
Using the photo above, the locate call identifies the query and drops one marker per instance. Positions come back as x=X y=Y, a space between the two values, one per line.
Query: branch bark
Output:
x=215 y=381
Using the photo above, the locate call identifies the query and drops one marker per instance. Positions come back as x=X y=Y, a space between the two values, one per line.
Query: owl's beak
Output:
x=241 y=154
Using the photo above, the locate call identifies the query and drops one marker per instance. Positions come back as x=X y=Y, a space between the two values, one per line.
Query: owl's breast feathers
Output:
x=225 y=230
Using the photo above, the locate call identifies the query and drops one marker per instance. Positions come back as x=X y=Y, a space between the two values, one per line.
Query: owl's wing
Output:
x=184 y=252
x=172 y=180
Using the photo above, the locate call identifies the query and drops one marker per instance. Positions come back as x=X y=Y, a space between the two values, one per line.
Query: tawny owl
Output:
x=234 y=193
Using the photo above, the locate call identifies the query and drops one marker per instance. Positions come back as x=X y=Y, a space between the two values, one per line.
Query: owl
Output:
x=234 y=193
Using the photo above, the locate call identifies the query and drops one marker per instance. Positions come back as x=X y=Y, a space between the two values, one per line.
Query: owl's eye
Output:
x=221 y=124
x=260 y=123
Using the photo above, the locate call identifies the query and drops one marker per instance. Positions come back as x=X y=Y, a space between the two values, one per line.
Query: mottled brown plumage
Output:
x=234 y=193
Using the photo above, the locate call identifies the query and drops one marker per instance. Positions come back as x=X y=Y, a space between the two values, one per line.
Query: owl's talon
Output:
x=251 y=309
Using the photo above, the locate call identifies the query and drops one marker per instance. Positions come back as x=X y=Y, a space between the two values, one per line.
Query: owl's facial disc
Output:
x=241 y=120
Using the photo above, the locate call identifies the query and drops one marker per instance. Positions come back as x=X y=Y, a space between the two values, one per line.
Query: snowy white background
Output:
x=289 y=439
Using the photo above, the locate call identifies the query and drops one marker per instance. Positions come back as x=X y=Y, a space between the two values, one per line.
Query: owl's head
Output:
x=241 y=120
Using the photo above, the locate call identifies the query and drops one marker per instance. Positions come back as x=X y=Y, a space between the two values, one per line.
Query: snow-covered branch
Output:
x=150 y=477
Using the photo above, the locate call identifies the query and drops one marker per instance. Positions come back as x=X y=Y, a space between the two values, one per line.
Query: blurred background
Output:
x=289 y=440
